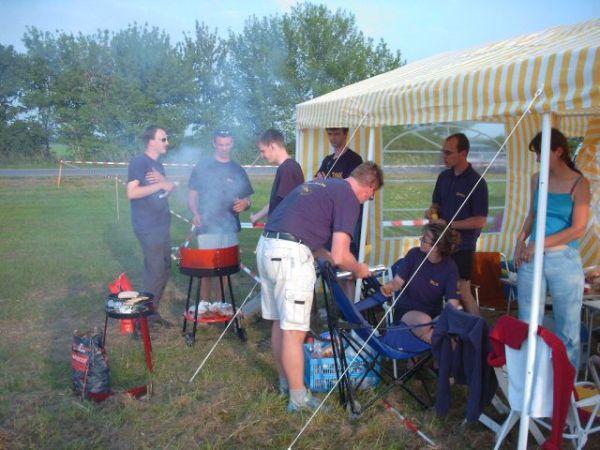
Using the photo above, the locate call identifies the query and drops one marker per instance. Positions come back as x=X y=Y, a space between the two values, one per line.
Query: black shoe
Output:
x=160 y=322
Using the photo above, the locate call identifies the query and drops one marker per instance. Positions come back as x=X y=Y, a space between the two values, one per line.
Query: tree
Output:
x=204 y=55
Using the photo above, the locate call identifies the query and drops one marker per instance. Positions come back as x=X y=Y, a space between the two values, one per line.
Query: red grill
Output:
x=209 y=262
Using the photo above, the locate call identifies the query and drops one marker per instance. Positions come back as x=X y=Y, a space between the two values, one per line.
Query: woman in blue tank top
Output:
x=566 y=219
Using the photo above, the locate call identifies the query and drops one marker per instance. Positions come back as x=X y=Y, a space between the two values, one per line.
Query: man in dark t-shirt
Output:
x=343 y=160
x=289 y=173
x=310 y=216
x=450 y=192
x=147 y=188
x=219 y=190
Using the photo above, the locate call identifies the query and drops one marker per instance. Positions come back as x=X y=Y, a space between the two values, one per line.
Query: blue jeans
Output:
x=563 y=276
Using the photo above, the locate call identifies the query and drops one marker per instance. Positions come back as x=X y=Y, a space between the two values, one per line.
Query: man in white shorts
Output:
x=302 y=224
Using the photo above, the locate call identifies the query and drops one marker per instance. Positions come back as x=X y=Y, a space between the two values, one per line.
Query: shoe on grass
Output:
x=308 y=404
x=160 y=322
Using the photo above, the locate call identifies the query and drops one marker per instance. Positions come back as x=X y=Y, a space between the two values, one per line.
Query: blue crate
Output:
x=320 y=376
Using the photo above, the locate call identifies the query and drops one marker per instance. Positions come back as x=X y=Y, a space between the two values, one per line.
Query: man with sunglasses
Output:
x=147 y=188
x=219 y=190
x=451 y=190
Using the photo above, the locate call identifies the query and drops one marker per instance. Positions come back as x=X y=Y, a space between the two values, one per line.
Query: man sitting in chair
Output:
x=437 y=278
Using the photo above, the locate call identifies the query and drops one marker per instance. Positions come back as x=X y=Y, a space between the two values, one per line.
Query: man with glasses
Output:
x=310 y=216
x=451 y=190
x=219 y=191
x=147 y=188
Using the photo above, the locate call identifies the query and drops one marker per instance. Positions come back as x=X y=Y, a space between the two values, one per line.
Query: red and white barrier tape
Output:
x=118 y=163
x=417 y=222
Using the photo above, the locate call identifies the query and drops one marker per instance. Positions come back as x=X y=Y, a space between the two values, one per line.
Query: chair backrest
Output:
x=354 y=317
x=543 y=375
x=486 y=273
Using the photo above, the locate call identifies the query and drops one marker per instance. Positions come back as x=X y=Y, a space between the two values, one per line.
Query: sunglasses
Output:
x=222 y=133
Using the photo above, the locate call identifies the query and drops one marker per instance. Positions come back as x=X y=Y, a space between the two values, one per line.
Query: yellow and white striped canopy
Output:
x=496 y=83
x=484 y=83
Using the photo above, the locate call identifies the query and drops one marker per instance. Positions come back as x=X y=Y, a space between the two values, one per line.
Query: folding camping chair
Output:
x=582 y=413
x=349 y=328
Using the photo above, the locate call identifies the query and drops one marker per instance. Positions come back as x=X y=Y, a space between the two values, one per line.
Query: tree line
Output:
x=92 y=95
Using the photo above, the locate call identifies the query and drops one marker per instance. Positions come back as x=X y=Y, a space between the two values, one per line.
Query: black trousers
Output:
x=156 y=247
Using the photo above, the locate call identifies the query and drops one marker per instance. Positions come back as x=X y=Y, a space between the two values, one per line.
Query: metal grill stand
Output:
x=190 y=338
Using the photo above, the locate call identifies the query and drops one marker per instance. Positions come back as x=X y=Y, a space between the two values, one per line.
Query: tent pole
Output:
x=537 y=297
x=365 y=217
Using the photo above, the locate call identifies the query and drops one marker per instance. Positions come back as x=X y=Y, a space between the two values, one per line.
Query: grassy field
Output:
x=59 y=250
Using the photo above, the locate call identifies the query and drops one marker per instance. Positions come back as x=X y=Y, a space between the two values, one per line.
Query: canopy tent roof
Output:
x=490 y=82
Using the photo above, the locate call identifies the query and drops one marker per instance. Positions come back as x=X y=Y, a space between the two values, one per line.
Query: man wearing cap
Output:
x=219 y=191
x=289 y=173
x=450 y=192
x=147 y=188
x=308 y=217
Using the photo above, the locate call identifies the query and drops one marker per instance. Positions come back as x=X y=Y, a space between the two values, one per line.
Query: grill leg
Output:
x=187 y=305
x=191 y=338
x=236 y=323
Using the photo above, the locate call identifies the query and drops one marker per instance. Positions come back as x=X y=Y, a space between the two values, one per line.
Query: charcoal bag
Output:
x=90 y=371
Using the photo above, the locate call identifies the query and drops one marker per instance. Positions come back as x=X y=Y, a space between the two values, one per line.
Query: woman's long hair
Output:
x=449 y=242
x=557 y=139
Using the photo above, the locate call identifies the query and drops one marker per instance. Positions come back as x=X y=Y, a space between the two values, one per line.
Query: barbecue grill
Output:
x=199 y=263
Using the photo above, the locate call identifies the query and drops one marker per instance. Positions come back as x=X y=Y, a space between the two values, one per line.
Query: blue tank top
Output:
x=559 y=214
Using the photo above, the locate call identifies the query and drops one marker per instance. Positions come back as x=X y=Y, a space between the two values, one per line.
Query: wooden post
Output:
x=117 y=197
x=59 y=173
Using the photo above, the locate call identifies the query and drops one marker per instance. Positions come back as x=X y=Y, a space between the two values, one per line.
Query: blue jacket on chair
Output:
x=460 y=345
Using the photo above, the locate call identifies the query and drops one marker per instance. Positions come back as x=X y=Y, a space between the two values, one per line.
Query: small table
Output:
x=591 y=305
x=145 y=331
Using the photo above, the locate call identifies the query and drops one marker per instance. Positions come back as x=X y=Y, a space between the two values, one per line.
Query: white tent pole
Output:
x=537 y=297
x=365 y=217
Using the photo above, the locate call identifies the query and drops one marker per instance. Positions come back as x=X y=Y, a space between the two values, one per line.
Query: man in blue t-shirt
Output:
x=451 y=190
x=289 y=173
x=219 y=190
x=147 y=188
x=310 y=216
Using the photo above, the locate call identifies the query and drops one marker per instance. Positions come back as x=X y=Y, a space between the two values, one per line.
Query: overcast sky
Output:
x=419 y=28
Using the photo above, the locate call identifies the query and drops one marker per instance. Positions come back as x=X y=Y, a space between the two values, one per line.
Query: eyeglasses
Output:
x=222 y=133
x=165 y=139
x=425 y=241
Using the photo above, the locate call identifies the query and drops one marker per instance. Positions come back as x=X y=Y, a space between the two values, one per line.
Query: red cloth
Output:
x=512 y=332
x=122 y=283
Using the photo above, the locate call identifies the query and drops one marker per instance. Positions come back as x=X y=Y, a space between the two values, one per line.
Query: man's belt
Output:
x=282 y=235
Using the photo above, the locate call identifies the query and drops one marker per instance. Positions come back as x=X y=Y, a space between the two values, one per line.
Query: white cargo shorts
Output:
x=287 y=275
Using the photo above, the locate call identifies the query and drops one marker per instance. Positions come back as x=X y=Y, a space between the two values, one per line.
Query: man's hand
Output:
x=362 y=271
x=197 y=220
x=241 y=204
x=154 y=176
x=387 y=289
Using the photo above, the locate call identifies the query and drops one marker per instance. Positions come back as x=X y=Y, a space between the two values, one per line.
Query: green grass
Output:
x=59 y=250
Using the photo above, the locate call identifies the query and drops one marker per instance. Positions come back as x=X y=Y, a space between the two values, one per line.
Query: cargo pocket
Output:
x=297 y=307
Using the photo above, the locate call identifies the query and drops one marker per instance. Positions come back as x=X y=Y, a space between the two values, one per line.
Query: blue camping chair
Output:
x=346 y=321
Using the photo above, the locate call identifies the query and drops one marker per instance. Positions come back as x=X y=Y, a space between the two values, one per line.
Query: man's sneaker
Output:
x=310 y=403
x=160 y=322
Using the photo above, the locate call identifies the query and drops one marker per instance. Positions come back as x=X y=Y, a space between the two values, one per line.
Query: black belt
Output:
x=282 y=235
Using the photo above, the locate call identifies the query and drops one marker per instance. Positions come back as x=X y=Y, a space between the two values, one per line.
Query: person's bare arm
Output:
x=241 y=204
x=157 y=183
x=193 y=206
x=342 y=257
x=396 y=284
x=259 y=214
